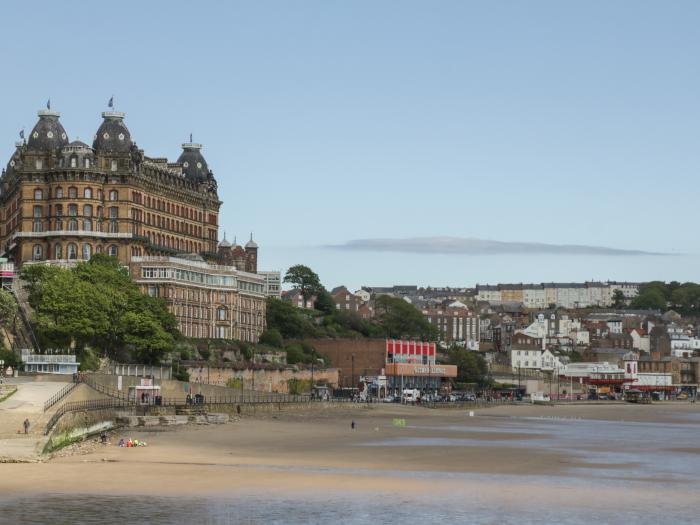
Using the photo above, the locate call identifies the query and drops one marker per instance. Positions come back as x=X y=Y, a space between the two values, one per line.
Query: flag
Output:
x=190 y=138
x=21 y=134
x=110 y=104
x=48 y=104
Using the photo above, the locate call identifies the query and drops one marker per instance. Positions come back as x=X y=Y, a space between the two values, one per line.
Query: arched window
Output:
x=59 y=193
x=113 y=250
x=87 y=225
x=73 y=225
x=72 y=252
x=38 y=194
x=114 y=165
x=87 y=210
x=73 y=192
x=73 y=162
x=59 y=210
x=114 y=195
x=87 y=251
x=38 y=252
x=87 y=163
x=58 y=252
x=87 y=193
x=72 y=210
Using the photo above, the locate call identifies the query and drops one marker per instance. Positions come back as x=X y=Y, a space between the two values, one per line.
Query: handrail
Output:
x=78 y=406
x=59 y=395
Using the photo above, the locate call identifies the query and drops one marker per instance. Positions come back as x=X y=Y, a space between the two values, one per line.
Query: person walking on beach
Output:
x=26 y=425
x=352 y=425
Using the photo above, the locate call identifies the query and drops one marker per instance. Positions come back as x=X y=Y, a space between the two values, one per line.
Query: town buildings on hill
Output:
x=62 y=201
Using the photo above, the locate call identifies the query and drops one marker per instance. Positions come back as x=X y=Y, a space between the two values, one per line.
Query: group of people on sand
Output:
x=130 y=443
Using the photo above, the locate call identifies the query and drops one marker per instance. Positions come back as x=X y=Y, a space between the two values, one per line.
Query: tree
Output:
x=324 y=302
x=471 y=366
x=8 y=308
x=271 y=337
x=305 y=279
x=400 y=319
x=288 y=320
x=651 y=298
x=618 y=299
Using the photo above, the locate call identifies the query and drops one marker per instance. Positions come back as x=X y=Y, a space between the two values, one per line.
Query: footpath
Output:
x=26 y=403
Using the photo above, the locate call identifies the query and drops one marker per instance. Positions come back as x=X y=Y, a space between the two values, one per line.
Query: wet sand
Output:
x=508 y=455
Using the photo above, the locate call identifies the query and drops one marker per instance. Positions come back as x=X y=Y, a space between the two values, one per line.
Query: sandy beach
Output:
x=512 y=456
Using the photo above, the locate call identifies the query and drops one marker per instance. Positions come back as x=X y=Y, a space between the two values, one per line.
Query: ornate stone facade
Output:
x=62 y=202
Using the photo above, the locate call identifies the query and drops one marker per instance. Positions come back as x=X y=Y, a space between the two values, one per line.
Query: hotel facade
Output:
x=62 y=201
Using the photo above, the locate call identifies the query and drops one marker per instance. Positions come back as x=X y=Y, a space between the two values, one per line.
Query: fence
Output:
x=59 y=395
x=80 y=406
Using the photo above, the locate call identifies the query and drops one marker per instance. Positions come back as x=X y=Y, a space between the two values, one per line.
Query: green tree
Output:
x=398 y=319
x=305 y=280
x=651 y=298
x=272 y=337
x=618 y=299
x=289 y=320
x=324 y=302
x=471 y=366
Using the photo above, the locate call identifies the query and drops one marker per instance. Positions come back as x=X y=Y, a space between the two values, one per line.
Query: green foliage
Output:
x=295 y=354
x=88 y=359
x=97 y=305
x=181 y=374
x=399 y=319
x=272 y=337
x=11 y=358
x=235 y=382
x=324 y=302
x=575 y=357
x=618 y=299
x=471 y=366
x=299 y=386
x=305 y=279
x=288 y=320
x=652 y=295
x=8 y=308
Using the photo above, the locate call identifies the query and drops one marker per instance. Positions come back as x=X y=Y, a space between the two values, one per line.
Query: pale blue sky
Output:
x=326 y=122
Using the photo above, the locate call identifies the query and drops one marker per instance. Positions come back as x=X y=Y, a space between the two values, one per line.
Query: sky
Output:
x=399 y=142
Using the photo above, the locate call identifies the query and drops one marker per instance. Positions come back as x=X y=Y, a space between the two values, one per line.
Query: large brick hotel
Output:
x=61 y=202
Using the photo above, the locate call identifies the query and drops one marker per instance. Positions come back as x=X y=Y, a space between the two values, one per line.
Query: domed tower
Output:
x=113 y=142
x=224 y=250
x=251 y=256
x=45 y=140
x=194 y=165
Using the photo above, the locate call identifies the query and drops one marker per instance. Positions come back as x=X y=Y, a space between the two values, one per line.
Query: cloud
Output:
x=472 y=246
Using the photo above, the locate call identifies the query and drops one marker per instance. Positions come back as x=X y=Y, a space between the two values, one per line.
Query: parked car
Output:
x=388 y=399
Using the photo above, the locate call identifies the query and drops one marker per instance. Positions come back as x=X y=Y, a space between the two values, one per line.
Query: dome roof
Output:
x=251 y=243
x=193 y=164
x=113 y=135
x=48 y=134
x=224 y=243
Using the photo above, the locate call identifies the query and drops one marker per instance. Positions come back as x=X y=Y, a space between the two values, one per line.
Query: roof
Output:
x=112 y=136
x=48 y=133
x=194 y=166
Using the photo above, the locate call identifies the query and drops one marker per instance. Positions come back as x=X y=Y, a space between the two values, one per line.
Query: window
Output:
x=59 y=224
x=87 y=193
x=38 y=252
x=72 y=210
x=59 y=210
x=73 y=162
x=59 y=193
x=73 y=192
x=222 y=299
x=113 y=250
x=72 y=251
x=38 y=194
x=37 y=212
x=221 y=314
x=58 y=252
x=113 y=227
x=87 y=163
x=87 y=225
x=113 y=212
x=114 y=195
x=114 y=165
x=98 y=249
x=87 y=251
x=73 y=225
x=36 y=226
x=39 y=164
x=87 y=210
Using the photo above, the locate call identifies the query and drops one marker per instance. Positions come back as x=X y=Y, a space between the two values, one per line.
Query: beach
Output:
x=610 y=457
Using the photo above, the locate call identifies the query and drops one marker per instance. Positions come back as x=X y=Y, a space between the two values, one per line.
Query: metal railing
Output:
x=59 y=395
x=81 y=406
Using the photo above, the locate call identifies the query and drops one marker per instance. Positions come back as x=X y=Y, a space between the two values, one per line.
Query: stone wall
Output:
x=265 y=380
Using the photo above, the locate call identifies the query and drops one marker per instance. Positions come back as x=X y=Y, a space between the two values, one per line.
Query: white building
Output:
x=49 y=363
x=273 y=284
